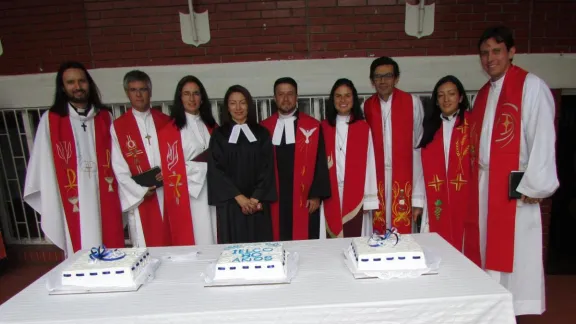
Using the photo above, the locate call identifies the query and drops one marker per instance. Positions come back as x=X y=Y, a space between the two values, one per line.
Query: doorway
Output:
x=561 y=252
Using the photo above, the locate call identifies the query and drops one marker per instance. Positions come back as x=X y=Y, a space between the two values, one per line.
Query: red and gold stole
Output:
x=176 y=195
x=354 y=177
x=304 y=166
x=449 y=193
x=402 y=115
x=134 y=153
x=66 y=167
x=504 y=158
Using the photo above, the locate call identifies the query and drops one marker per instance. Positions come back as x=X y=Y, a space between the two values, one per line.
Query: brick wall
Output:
x=38 y=34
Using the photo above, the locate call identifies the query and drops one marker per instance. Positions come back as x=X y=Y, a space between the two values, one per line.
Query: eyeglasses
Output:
x=138 y=90
x=381 y=77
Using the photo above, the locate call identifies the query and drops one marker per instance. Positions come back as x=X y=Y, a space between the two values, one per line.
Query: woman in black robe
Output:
x=241 y=180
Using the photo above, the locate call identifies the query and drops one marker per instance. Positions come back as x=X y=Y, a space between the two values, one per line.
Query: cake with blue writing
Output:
x=252 y=261
x=393 y=252
x=101 y=267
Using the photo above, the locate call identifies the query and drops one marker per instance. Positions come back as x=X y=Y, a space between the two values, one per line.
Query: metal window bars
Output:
x=19 y=222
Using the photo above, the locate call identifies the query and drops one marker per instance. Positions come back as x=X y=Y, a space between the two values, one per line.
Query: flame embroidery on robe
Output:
x=175 y=178
x=400 y=207
x=64 y=149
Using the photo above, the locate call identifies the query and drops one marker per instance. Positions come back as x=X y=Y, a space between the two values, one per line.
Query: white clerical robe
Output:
x=131 y=193
x=418 y=188
x=195 y=140
x=448 y=126
x=537 y=160
x=41 y=189
x=370 y=186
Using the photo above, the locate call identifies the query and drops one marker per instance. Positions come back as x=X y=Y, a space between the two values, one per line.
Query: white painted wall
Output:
x=314 y=77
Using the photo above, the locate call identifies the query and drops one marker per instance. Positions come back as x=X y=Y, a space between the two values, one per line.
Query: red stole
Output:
x=402 y=118
x=504 y=158
x=65 y=165
x=304 y=167
x=134 y=153
x=354 y=176
x=449 y=193
x=176 y=195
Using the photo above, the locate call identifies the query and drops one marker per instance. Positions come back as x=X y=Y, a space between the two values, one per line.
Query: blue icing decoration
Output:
x=258 y=267
x=221 y=268
x=416 y=257
x=120 y=271
x=93 y=274
x=67 y=275
x=79 y=275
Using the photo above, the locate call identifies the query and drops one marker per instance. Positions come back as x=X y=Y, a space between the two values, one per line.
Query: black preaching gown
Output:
x=320 y=187
x=242 y=168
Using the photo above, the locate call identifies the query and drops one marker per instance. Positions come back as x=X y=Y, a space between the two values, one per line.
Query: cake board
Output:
x=54 y=280
x=291 y=270
x=432 y=266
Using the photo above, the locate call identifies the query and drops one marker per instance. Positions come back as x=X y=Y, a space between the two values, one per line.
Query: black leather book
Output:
x=148 y=178
x=513 y=181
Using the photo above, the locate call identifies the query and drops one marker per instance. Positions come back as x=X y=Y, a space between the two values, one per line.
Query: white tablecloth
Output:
x=323 y=291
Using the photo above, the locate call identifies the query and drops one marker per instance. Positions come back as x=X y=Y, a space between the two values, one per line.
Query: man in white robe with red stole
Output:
x=395 y=119
x=135 y=151
x=183 y=150
x=300 y=166
x=69 y=179
x=512 y=129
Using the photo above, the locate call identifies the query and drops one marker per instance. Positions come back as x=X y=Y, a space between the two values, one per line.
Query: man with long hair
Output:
x=300 y=164
x=512 y=134
x=135 y=151
x=69 y=180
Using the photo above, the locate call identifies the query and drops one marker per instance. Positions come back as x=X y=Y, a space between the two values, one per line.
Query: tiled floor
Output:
x=560 y=291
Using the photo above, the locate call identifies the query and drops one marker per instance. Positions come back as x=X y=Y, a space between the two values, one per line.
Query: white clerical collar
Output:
x=450 y=118
x=236 y=133
x=498 y=83
x=141 y=114
x=386 y=101
x=74 y=114
x=190 y=116
x=342 y=119
x=285 y=124
x=288 y=115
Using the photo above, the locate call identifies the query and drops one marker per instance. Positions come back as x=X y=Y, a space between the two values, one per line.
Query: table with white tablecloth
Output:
x=323 y=291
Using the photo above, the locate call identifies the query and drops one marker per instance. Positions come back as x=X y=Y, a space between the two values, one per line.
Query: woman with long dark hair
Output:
x=184 y=150
x=241 y=180
x=351 y=165
x=447 y=168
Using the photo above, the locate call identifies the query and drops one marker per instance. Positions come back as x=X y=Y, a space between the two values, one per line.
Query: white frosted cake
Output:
x=112 y=271
x=253 y=261
x=387 y=255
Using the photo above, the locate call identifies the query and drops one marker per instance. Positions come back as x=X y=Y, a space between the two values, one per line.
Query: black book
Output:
x=513 y=181
x=148 y=178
